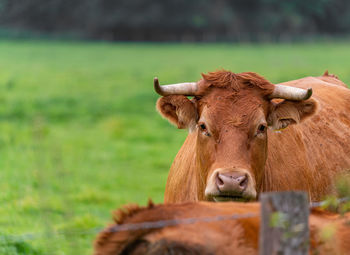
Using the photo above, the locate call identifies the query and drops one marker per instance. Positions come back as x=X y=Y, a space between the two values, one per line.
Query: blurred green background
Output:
x=79 y=133
x=80 y=136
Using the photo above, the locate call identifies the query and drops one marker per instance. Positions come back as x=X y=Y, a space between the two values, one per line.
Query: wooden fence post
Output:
x=284 y=223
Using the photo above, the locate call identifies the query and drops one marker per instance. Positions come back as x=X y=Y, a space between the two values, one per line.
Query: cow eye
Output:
x=203 y=129
x=261 y=128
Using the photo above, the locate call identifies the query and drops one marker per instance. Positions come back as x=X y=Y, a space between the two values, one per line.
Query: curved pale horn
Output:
x=290 y=93
x=186 y=89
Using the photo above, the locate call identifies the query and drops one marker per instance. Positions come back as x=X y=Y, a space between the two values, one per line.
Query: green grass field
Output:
x=79 y=134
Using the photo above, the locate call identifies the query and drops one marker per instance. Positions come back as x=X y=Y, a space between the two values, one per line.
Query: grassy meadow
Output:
x=79 y=134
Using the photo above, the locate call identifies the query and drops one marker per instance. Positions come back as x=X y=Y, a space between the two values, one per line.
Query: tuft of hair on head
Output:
x=237 y=81
x=221 y=79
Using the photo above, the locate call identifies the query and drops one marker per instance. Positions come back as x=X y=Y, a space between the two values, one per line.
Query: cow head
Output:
x=230 y=114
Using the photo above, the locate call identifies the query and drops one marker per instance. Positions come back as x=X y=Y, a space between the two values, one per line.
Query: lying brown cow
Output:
x=239 y=144
x=234 y=236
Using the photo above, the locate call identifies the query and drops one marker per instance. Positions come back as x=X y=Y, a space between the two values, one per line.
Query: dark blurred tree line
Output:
x=180 y=20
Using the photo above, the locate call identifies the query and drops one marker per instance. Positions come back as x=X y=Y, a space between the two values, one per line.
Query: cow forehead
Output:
x=232 y=109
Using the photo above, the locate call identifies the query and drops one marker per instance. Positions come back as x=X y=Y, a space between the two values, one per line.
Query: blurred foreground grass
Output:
x=79 y=134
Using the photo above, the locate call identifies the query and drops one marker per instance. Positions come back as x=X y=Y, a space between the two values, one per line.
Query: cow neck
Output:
x=182 y=180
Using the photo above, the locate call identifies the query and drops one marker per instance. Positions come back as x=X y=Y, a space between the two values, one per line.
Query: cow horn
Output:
x=290 y=93
x=186 y=89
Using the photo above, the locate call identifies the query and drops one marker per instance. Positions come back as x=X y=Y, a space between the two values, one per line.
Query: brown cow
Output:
x=239 y=144
x=233 y=236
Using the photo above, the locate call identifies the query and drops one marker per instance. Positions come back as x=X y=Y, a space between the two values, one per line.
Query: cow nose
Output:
x=231 y=182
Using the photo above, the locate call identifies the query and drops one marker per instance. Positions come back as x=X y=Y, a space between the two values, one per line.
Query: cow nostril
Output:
x=243 y=182
x=219 y=181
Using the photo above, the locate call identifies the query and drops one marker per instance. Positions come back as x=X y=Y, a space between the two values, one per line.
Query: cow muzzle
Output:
x=230 y=185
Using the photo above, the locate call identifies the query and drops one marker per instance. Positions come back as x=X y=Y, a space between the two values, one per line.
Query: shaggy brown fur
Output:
x=236 y=236
x=235 y=82
x=122 y=216
x=307 y=155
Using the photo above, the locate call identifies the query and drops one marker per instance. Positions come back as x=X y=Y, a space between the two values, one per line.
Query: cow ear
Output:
x=178 y=110
x=285 y=113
